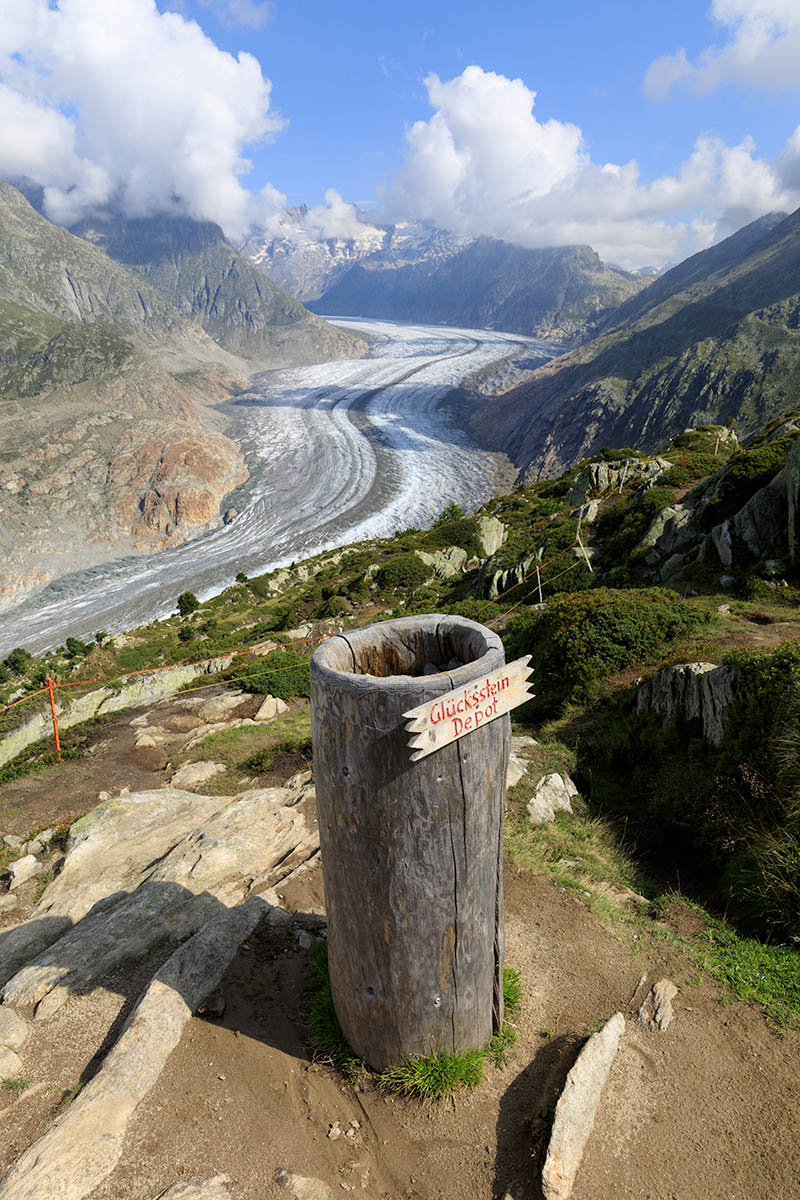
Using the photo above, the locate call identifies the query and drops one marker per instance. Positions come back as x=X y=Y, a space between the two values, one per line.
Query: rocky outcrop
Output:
x=577 y=1109
x=492 y=533
x=148 y=866
x=699 y=692
x=143 y=689
x=82 y=1147
x=602 y=476
x=171 y=485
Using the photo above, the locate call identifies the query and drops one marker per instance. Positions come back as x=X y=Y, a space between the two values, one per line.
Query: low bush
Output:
x=282 y=673
x=582 y=637
x=403 y=571
x=747 y=472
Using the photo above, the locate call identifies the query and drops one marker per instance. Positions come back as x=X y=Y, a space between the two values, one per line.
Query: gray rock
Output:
x=13 y=1030
x=144 y=867
x=22 y=870
x=82 y=1147
x=10 y=1064
x=303 y=1187
x=198 y=1189
x=656 y=1009
x=602 y=476
x=219 y=708
x=8 y=901
x=446 y=563
x=492 y=533
x=553 y=794
x=12 y=841
x=691 y=691
x=577 y=1109
x=271 y=707
x=192 y=774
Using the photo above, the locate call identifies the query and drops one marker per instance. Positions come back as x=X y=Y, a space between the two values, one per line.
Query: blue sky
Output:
x=647 y=131
x=350 y=78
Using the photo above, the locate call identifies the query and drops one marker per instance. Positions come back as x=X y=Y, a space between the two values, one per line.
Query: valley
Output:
x=337 y=452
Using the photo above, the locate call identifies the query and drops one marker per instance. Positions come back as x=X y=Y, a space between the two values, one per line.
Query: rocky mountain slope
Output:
x=192 y=265
x=306 y=263
x=110 y=443
x=552 y=293
x=714 y=339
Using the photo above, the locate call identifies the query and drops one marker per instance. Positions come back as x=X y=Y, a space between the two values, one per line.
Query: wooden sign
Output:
x=457 y=713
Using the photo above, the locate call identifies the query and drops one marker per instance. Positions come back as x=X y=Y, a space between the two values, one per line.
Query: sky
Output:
x=648 y=131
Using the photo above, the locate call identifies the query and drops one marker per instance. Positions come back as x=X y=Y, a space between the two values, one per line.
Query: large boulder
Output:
x=691 y=692
x=491 y=535
x=602 y=476
x=552 y=794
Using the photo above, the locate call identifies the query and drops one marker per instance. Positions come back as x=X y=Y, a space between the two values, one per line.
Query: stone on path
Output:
x=660 y=999
x=271 y=708
x=198 y=1189
x=82 y=1147
x=7 y=902
x=553 y=794
x=517 y=765
x=10 y=1064
x=192 y=774
x=13 y=1030
x=303 y=1187
x=577 y=1108
x=12 y=841
x=22 y=870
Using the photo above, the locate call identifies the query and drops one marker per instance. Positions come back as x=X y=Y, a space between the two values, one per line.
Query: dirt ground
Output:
x=709 y=1110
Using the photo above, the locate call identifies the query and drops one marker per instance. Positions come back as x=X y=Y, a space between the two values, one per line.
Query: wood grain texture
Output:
x=411 y=852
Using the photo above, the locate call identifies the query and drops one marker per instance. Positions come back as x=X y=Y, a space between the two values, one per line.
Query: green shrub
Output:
x=185 y=633
x=747 y=472
x=623 y=526
x=461 y=532
x=403 y=571
x=334 y=606
x=582 y=637
x=19 y=661
x=187 y=603
x=282 y=673
x=75 y=648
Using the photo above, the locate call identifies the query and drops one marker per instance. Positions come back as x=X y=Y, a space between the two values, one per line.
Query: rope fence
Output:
x=52 y=685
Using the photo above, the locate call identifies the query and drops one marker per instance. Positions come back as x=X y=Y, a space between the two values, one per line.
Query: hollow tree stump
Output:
x=412 y=852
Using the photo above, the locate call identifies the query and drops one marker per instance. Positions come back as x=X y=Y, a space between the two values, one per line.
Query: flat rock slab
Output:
x=149 y=866
x=82 y=1147
x=13 y=1030
x=198 y=1189
x=552 y=795
x=577 y=1108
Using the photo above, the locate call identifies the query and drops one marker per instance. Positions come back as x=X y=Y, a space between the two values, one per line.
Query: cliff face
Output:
x=108 y=378
x=553 y=294
x=717 y=338
x=201 y=274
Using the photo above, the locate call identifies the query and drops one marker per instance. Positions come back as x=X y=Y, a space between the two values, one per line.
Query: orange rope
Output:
x=24 y=699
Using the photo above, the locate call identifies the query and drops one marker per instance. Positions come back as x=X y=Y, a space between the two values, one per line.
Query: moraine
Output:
x=337 y=452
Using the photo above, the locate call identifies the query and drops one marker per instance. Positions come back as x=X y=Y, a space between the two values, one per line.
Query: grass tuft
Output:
x=430 y=1077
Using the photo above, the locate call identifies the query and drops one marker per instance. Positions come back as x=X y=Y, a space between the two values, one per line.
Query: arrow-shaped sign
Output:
x=462 y=711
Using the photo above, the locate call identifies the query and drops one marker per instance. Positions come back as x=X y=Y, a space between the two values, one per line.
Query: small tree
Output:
x=241 y=577
x=19 y=660
x=187 y=603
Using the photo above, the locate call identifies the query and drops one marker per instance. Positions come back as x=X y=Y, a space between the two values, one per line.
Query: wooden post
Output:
x=539 y=585
x=53 y=714
x=412 y=852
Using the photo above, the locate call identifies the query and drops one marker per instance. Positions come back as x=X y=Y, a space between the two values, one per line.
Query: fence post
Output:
x=53 y=714
x=412 y=852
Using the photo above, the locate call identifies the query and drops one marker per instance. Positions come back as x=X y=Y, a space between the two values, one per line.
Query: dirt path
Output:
x=707 y=1111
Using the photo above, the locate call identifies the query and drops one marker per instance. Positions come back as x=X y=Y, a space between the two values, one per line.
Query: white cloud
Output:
x=484 y=164
x=762 y=49
x=122 y=100
x=252 y=14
